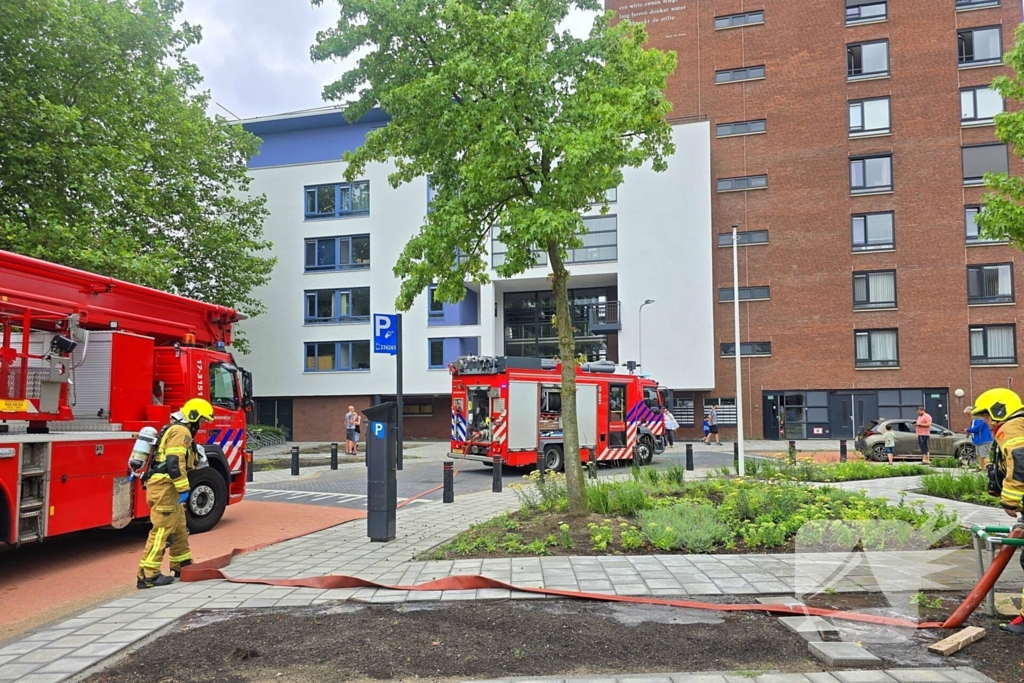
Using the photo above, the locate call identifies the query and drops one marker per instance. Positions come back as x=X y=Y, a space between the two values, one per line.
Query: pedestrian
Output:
x=890 y=441
x=981 y=437
x=359 y=429
x=713 y=425
x=350 y=430
x=707 y=432
x=923 y=428
x=167 y=490
x=1003 y=412
x=671 y=425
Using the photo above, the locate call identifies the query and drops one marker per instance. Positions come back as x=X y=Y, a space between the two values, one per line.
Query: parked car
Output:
x=944 y=442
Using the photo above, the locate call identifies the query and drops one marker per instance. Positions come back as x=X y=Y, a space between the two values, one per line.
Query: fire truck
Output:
x=511 y=407
x=86 y=362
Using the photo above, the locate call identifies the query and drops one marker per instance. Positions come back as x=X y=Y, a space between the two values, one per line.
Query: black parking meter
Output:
x=382 y=464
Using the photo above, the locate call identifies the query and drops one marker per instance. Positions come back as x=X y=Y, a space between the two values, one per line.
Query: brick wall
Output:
x=322 y=418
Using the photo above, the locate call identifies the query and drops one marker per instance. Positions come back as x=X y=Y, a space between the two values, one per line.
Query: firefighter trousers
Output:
x=169 y=531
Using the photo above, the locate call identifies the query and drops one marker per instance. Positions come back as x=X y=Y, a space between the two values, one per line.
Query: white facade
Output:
x=663 y=253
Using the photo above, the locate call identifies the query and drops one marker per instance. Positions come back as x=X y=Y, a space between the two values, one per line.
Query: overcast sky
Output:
x=255 y=53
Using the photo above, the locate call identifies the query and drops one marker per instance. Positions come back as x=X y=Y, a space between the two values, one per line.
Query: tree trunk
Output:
x=567 y=350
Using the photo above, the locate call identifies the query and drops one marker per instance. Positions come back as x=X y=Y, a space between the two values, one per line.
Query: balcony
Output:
x=604 y=317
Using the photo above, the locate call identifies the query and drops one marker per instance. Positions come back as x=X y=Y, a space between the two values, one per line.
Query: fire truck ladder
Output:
x=32 y=498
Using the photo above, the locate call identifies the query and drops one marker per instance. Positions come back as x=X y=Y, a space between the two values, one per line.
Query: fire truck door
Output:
x=523 y=416
x=616 y=415
x=586 y=414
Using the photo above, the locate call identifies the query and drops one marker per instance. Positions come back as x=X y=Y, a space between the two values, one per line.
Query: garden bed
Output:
x=966 y=486
x=825 y=473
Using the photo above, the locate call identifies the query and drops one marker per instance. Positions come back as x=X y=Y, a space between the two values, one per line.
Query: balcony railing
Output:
x=603 y=317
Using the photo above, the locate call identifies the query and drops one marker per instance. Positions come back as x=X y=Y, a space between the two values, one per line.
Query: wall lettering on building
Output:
x=651 y=11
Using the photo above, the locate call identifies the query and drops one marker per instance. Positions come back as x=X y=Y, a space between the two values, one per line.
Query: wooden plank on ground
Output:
x=958 y=641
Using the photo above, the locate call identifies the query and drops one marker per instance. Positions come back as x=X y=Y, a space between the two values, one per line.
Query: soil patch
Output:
x=460 y=640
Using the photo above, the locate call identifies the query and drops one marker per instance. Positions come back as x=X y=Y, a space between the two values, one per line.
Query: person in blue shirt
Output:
x=981 y=436
x=707 y=431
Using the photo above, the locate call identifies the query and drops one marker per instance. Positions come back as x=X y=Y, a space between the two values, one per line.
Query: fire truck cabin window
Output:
x=616 y=403
x=223 y=390
x=651 y=398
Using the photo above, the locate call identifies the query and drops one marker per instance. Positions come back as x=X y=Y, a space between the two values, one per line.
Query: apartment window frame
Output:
x=852 y=72
x=745 y=238
x=977 y=239
x=986 y=359
x=342 y=201
x=754 y=293
x=872 y=362
x=962 y=50
x=435 y=307
x=859 y=18
x=431 y=344
x=343 y=247
x=964 y=5
x=870 y=189
x=727 y=21
x=975 y=180
x=867 y=246
x=336 y=317
x=350 y=343
x=742 y=183
x=760 y=349
x=741 y=74
x=740 y=128
x=868 y=304
x=726 y=412
x=862 y=130
x=974 y=119
x=983 y=299
x=417 y=407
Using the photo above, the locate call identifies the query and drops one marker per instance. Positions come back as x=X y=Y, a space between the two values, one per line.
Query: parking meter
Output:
x=382 y=467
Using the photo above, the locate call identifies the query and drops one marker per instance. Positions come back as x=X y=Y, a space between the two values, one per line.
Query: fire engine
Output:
x=511 y=407
x=86 y=362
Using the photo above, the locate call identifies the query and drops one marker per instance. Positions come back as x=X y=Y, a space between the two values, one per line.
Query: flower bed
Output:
x=847 y=471
x=660 y=512
x=966 y=486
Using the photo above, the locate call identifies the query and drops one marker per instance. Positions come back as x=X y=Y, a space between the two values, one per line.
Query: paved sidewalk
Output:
x=950 y=675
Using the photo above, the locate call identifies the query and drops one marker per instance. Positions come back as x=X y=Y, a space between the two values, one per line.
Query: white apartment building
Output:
x=336 y=244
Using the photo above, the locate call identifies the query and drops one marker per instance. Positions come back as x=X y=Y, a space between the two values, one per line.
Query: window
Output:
x=746 y=293
x=338 y=199
x=682 y=409
x=979 y=105
x=223 y=390
x=734 y=20
x=748 y=73
x=414 y=408
x=876 y=349
x=338 y=253
x=993 y=345
x=990 y=284
x=742 y=238
x=338 y=305
x=750 y=182
x=864 y=10
x=871 y=174
x=436 y=353
x=728 y=350
x=971 y=4
x=874 y=289
x=337 y=356
x=873 y=231
x=869 y=117
x=435 y=307
x=981 y=159
x=980 y=46
x=724 y=130
x=896 y=404
x=867 y=60
x=611 y=195
x=600 y=243
x=973 y=232
x=725 y=410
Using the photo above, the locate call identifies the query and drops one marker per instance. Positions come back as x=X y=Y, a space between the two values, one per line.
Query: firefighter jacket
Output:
x=1010 y=440
x=175 y=457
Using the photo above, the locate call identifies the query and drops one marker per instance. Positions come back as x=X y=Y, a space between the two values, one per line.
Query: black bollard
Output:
x=496 y=475
x=334 y=456
x=689 y=457
x=295 y=461
x=591 y=464
x=842 y=450
x=540 y=464
x=449 y=484
x=249 y=465
x=736 y=456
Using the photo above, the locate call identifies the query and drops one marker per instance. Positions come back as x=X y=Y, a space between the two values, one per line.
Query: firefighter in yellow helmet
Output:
x=166 y=482
x=1003 y=411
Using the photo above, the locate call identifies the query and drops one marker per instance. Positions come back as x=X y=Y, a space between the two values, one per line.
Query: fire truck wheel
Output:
x=207 y=499
x=553 y=459
x=644 y=451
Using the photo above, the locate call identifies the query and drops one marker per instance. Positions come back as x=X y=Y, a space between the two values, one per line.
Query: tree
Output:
x=108 y=161
x=520 y=127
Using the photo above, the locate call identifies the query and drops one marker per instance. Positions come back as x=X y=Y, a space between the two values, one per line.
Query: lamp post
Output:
x=738 y=349
x=640 y=332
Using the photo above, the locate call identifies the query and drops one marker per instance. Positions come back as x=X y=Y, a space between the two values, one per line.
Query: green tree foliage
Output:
x=520 y=126
x=108 y=161
x=1003 y=217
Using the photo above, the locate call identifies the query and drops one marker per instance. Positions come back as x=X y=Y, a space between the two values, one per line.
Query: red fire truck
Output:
x=86 y=362
x=512 y=407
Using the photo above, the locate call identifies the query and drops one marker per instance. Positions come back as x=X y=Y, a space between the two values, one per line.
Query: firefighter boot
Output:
x=143 y=581
x=177 y=570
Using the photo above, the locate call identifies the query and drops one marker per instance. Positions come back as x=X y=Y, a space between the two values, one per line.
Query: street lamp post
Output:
x=738 y=349
x=640 y=332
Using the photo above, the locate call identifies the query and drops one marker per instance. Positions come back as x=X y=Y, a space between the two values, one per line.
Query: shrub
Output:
x=627 y=498
x=949 y=463
x=696 y=527
x=599 y=497
x=968 y=486
x=631 y=537
x=600 y=535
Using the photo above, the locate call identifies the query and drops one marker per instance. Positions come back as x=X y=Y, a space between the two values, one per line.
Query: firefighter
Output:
x=166 y=483
x=1003 y=411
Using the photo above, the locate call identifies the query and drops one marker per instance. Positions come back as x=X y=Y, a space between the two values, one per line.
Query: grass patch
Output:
x=845 y=471
x=967 y=486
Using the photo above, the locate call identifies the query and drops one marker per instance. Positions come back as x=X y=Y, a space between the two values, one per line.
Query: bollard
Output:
x=689 y=457
x=249 y=464
x=334 y=456
x=496 y=475
x=792 y=452
x=449 y=484
x=540 y=464
x=295 y=461
x=736 y=456
x=591 y=464
x=842 y=450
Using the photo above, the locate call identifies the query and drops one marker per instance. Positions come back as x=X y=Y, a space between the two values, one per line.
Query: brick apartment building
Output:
x=848 y=141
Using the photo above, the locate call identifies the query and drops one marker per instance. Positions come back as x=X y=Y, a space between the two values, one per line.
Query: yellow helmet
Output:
x=999 y=404
x=197 y=409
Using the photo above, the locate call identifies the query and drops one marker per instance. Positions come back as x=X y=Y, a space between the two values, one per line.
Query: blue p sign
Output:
x=385 y=334
x=379 y=429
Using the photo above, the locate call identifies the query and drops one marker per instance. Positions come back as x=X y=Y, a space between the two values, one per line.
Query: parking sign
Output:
x=385 y=334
